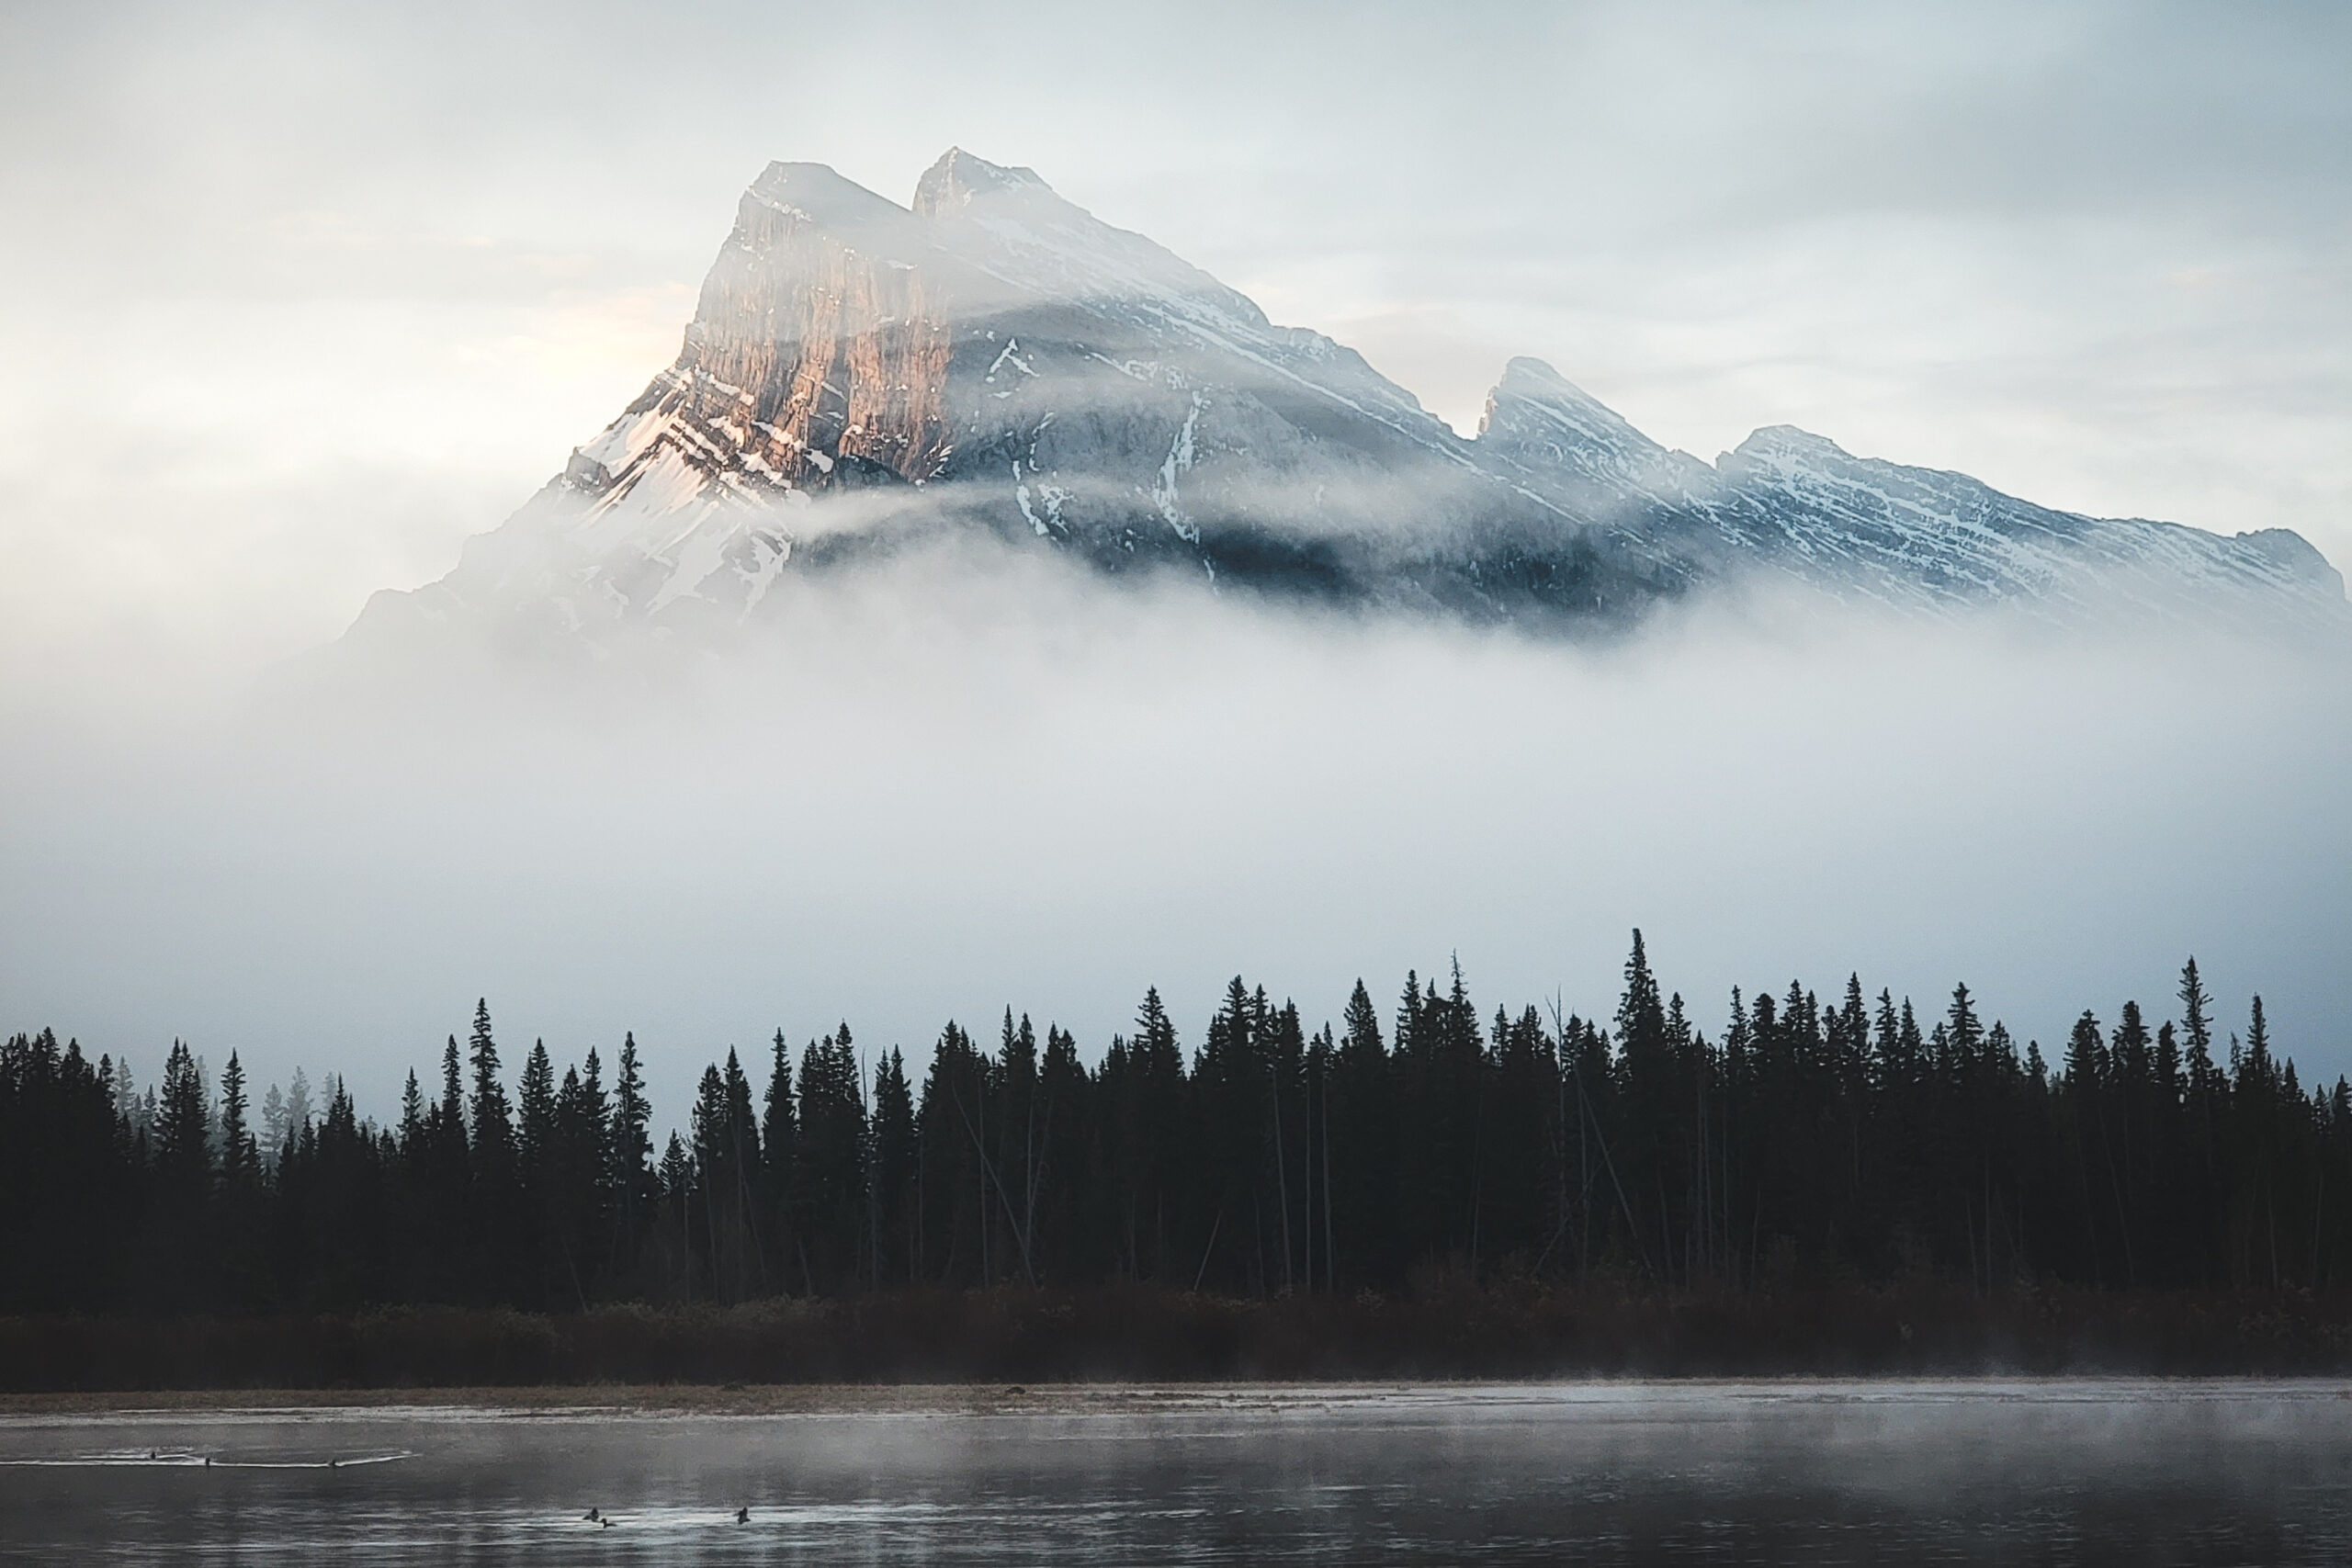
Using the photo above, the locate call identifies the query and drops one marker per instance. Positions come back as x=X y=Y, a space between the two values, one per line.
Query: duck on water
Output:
x=598 y=1518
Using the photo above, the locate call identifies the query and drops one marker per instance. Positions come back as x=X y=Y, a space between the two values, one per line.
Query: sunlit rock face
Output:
x=994 y=362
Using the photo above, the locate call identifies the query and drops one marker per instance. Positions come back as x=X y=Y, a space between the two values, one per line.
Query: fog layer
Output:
x=964 y=784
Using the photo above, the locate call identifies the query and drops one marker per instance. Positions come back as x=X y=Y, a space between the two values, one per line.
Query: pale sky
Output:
x=297 y=298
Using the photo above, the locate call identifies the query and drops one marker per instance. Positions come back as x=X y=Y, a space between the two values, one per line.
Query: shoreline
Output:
x=791 y=1353
x=624 y=1401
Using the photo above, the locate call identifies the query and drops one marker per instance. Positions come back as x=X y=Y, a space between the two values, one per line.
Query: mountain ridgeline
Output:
x=861 y=379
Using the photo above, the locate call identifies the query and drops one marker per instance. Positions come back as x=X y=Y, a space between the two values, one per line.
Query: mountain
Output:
x=861 y=377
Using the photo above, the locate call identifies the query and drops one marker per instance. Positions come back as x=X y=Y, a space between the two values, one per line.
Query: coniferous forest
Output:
x=1846 y=1144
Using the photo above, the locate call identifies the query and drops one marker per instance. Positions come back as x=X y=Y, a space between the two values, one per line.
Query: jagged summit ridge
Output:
x=993 y=360
x=815 y=193
x=959 y=176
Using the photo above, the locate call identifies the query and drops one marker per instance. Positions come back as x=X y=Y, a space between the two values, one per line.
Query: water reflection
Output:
x=2074 y=1472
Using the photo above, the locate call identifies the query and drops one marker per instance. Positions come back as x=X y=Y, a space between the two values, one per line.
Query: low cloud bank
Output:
x=963 y=783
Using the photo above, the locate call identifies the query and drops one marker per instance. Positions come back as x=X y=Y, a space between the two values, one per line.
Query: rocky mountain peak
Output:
x=957 y=177
x=2296 y=554
x=1014 y=226
x=818 y=194
x=1573 y=446
x=1526 y=376
x=997 y=360
x=1549 y=396
x=1786 y=449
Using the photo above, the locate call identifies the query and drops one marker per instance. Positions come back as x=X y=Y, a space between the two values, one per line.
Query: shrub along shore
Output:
x=1451 y=1330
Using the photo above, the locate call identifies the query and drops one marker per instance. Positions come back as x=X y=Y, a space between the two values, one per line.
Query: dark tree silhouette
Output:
x=1815 y=1144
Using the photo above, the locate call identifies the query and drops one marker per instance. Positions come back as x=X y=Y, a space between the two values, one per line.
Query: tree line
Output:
x=1812 y=1141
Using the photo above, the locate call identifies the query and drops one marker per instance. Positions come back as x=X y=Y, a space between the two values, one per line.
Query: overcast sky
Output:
x=294 y=300
x=297 y=298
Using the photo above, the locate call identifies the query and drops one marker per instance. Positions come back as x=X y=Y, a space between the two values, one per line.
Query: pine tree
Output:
x=453 y=1093
x=1641 y=1018
x=534 y=1099
x=632 y=1172
x=490 y=1118
x=675 y=1181
x=591 y=1152
x=830 y=1174
x=893 y=1194
x=1652 y=1146
x=273 y=1124
x=299 y=1112
x=412 y=1113
x=1967 y=1033
x=182 y=1158
x=1148 y=1146
x=779 y=1142
x=2194 y=1012
x=1060 y=1184
x=2259 y=1066
x=239 y=1158
x=494 y=1203
x=1364 y=1152
x=956 y=1195
x=181 y=1259
x=743 y=1172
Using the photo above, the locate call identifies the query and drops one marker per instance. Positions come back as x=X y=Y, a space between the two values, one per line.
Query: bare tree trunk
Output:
x=1202 y=1273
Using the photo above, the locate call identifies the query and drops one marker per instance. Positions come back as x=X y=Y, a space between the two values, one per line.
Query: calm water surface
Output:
x=2024 y=1472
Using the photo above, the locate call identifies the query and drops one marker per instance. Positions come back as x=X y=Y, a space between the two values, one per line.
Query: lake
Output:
x=2072 y=1471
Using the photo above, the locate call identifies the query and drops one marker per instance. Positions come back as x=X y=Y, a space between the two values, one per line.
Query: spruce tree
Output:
x=1061 y=1198
x=412 y=1113
x=589 y=1147
x=494 y=1205
x=1363 y=1135
x=490 y=1118
x=534 y=1101
x=631 y=1150
x=239 y=1158
x=779 y=1141
x=183 y=1160
x=179 y=1213
x=718 y=1219
x=830 y=1175
x=893 y=1175
x=1153 y=1144
x=299 y=1112
x=272 y=1124
x=453 y=1094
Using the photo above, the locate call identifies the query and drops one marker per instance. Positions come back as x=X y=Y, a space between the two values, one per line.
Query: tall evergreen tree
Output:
x=534 y=1105
x=892 y=1190
x=779 y=1150
x=490 y=1118
x=1364 y=1152
x=239 y=1155
x=494 y=1199
x=830 y=1175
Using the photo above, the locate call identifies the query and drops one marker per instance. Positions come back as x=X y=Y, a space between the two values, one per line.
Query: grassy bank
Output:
x=1138 y=1335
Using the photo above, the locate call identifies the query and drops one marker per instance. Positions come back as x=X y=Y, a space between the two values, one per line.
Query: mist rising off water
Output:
x=2029 y=1473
